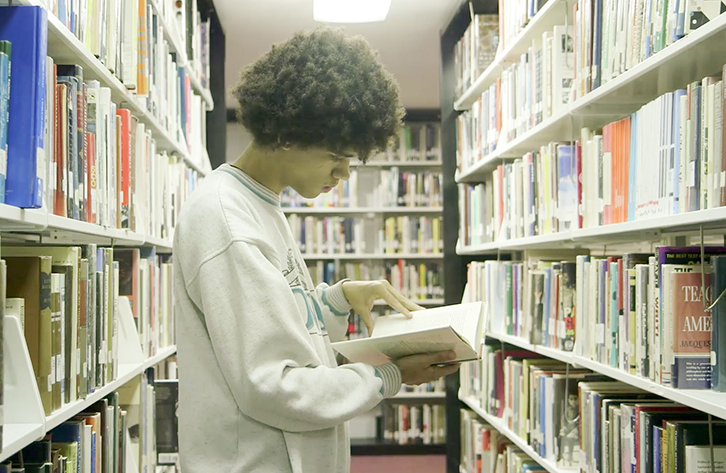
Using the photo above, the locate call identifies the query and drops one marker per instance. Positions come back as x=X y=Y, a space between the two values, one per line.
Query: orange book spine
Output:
x=124 y=158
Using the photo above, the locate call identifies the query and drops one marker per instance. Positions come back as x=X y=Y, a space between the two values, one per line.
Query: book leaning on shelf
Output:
x=455 y=328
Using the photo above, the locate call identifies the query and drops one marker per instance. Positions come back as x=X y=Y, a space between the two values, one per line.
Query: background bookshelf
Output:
x=105 y=222
x=510 y=116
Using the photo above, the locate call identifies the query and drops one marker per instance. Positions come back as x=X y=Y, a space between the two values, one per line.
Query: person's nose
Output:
x=342 y=170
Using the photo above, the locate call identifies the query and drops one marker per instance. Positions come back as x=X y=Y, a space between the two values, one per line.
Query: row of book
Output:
x=475 y=51
x=485 y=450
x=648 y=315
x=531 y=90
x=608 y=37
x=355 y=235
x=67 y=302
x=380 y=188
x=565 y=64
x=416 y=281
x=74 y=150
x=665 y=159
x=585 y=421
x=413 y=424
x=415 y=142
x=128 y=37
x=121 y=432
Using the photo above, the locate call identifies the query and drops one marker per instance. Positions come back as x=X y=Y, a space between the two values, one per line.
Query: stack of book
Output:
x=646 y=314
x=665 y=159
x=413 y=424
x=103 y=437
x=579 y=420
x=66 y=299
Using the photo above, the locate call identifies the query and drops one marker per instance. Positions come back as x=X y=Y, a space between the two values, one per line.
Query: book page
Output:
x=463 y=318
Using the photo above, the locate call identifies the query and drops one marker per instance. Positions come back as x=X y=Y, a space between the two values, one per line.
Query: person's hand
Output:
x=419 y=369
x=361 y=296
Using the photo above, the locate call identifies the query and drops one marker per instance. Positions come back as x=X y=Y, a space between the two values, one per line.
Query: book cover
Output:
x=27 y=29
x=5 y=57
x=691 y=342
x=718 y=325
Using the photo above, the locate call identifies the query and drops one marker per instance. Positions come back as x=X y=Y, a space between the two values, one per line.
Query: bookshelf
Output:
x=374 y=446
x=134 y=348
x=373 y=256
x=675 y=64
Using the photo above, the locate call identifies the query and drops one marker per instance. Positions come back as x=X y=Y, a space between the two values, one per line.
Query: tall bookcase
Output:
x=606 y=96
x=181 y=149
x=384 y=222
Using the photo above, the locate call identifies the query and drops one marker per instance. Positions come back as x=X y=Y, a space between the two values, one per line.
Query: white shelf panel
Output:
x=705 y=400
x=65 y=230
x=377 y=256
x=17 y=436
x=399 y=164
x=126 y=373
x=552 y=14
x=362 y=210
x=429 y=395
x=498 y=424
x=556 y=127
x=649 y=229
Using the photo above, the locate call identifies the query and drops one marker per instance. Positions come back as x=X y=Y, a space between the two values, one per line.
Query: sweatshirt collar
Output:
x=255 y=187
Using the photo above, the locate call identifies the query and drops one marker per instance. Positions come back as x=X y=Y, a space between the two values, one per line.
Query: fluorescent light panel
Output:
x=350 y=11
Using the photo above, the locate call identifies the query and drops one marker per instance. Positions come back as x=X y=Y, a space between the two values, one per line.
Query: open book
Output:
x=455 y=327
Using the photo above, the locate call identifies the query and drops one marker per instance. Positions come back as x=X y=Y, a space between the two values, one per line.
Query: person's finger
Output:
x=410 y=305
x=368 y=320
x=393 y=301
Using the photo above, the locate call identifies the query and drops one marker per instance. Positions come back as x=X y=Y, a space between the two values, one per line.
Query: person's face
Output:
x=313 y=171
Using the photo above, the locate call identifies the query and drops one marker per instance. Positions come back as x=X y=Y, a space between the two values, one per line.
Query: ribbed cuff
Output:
x=391 y=377
x=334 y=298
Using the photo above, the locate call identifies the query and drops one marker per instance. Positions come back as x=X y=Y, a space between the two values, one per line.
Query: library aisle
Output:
x=560 y=164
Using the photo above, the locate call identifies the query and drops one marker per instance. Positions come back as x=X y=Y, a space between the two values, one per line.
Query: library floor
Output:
x=398 y=464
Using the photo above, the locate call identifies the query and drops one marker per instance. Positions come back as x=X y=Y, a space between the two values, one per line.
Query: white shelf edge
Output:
x=18 y=436
x=428 y=395
x=381 y=256
x=126 y=373
x=679 y=222
x=38 y=220
x=361 y=210
x=705 y=400
x=498 y=424
x=465 y=101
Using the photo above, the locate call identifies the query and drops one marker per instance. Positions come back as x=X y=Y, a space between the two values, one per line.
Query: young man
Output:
x=260 y=389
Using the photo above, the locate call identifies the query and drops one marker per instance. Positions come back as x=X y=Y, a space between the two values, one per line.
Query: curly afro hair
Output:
x=320 y=88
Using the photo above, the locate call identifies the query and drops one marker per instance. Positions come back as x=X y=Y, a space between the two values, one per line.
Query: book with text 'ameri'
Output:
x=455 y=327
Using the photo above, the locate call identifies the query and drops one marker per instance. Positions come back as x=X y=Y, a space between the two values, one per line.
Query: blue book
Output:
x=718 y=325
x=5 y=51
x=71 y=431
x=676 y=134
x=27 y=29
x=657 y=438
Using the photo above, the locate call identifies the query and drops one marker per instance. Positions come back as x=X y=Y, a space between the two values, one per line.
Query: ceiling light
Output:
x=350 y=11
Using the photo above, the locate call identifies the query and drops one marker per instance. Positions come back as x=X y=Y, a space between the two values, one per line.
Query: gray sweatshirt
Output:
x=260 y=390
